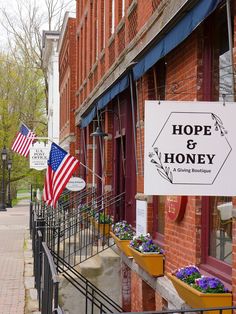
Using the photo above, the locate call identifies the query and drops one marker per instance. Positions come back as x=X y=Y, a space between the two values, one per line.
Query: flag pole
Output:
x=86 y=167
x=91 y=171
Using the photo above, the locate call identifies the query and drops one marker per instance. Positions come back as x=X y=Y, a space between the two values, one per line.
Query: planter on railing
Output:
x=122 y=233
x=152 y=263
x=102 y=228
x=123 y=245
x=197 y=299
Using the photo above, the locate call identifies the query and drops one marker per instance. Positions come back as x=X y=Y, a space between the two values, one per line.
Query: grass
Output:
x=23 y=191
x=15 y=201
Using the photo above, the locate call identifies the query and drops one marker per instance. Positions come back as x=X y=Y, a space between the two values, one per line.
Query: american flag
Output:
x=23 y=141
x=61 y=166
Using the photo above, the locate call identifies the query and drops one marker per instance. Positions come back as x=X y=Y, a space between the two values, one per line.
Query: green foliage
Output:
x=22 y=99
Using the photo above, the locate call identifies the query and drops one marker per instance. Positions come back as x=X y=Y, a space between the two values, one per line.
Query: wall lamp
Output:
x=99 y=132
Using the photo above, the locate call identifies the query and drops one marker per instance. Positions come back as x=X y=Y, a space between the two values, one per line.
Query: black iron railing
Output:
x=46 y=279
x=81 y=233
x=95 y=301
x=213 y=310
x=50 y=283
x=74 y=236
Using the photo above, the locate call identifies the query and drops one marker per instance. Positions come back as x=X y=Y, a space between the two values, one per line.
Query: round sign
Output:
x=76 y=184
x=176 y=206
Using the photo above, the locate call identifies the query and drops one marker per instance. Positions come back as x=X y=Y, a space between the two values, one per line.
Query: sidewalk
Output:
x=14 y=224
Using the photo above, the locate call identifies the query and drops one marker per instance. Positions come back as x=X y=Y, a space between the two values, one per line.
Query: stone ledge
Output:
x=162 y=285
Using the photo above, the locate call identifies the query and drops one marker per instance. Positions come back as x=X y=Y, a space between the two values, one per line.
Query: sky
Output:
x=11 y=7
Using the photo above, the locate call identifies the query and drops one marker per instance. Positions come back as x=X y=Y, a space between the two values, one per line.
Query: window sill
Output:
x=208 y=270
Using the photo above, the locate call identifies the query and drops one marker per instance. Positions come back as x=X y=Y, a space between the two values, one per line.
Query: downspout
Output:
x=93 y=177
x=140 y=130
x=133 y=120
x=229 y=25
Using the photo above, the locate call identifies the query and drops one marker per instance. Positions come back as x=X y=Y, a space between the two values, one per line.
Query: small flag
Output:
x=61 y=166
x=23 y=141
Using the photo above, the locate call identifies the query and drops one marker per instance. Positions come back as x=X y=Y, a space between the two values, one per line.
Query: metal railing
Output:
x=46 y=278
x=62 y=228
x=213 y=310
x=72 y=235
x=81 y=234
x=95 y=300
x=49 y=284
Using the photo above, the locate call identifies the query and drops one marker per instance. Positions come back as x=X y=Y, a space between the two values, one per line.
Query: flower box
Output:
x=103 y=229
x=152 y=263
x=197 y=299
x=123 y=245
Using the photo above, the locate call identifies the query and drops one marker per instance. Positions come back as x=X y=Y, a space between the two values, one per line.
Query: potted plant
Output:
x=103 y=223
x=200 y=291
x=147 y=254
x=122 y=233
x=84 y=215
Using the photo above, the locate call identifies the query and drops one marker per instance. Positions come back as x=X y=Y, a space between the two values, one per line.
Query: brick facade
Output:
x=186 y=72
x=67 y=85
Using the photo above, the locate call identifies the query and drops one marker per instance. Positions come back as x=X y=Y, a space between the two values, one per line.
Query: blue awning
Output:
x=175 y=36
x=110 y=94
x=119 y=87
x=88 y=118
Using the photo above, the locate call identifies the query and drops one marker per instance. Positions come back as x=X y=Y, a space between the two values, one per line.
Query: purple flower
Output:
x=145 y=244
x=123 y=230
x=209 y=285
x=188 y=274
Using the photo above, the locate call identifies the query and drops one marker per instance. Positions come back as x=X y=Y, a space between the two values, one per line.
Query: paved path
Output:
x=13 y=225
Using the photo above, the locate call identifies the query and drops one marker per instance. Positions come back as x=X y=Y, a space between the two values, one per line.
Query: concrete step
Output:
x=91 y=267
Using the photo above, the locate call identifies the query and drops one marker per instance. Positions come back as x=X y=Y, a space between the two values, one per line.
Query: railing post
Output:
x=31 y=219
x=38 y=265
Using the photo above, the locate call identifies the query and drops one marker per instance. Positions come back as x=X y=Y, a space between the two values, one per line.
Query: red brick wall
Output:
x=67 y=85
x=143 y=297
x=183 y=82
x=126 y=287
x=136 y=295
x=92 y=69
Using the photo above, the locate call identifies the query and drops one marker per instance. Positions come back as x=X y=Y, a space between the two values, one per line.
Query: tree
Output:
x=23 y=80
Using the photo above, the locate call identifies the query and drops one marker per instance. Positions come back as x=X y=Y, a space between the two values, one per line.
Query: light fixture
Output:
x=99 y=132
x=9 y=164
x=4 y=153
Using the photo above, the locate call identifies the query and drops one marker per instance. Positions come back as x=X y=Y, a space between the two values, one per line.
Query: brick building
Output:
x=67 y=82
x=129 y=51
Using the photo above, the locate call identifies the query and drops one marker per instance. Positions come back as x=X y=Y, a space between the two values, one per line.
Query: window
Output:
x=217 y=236
x=123 y=8
x=103 y=23
x=220 y=235
x=217 y=211
x=112 y=16
x=159 y=218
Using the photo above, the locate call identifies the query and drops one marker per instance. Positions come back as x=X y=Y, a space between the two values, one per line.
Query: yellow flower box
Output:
x=197 y=299
x=103 y=229
x=152 y=263
x=123 y=245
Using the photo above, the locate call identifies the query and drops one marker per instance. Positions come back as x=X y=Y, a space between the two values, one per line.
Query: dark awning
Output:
x=175 y=36
x=110 y=94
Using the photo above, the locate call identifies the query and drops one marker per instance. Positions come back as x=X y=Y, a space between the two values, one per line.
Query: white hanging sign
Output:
x=39 y=154
x=76 y=184
x=141 y=217
x=190 y=148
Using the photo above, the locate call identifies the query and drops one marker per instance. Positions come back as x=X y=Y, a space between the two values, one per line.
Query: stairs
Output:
x=80 y=248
